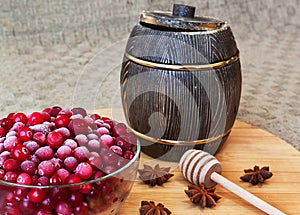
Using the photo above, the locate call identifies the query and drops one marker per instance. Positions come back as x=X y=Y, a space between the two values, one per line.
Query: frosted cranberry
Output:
x=39 y=137
x=3 y=157
x=63 y=208
x=63 y=152
x=81 y=209
x=57 y=162
x=119 y=129
x=67 y=112
x=54 y=139
x=73 y=179
x=62 y=121
x=20 y=152
x=10 y=177
x=70 y=163
x=78 y=126
x=43 y=181
x=86 y=188
x=46 y=168
x=6 y=123
x=11 y=133
x=95 y=162
x=44 y=153
x=37 y=195
x=32 y=146
x=44 y=128
x=55 y=180
x=117 y=150
x=35 y=118
x=107 y=140
x=79 y=110
x=63 y=174
x=10 y=142
x=35 y=159
x=81 y=153
x=71 y=143
x=17 y=126
x=94 y=145
x=55 y=110
x=2 y=132
x=81 y=139
x=84 y=170
x=25 y=134
x=128 y=155
x=92 y=136
x=10 y=164
x=102 y=130
x=20 y=117
x=76 y=198
x=28 y=167
x=64 y=132
x=24 y=178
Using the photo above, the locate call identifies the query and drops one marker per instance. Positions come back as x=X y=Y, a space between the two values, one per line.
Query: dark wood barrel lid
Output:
x=181 y=18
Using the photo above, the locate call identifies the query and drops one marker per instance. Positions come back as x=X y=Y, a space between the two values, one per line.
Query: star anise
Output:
x=157 y=175
x=205 y=197
x=256 y=175
x=149 y=208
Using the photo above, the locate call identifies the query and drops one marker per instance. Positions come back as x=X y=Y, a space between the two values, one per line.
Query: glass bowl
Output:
x=103 y=195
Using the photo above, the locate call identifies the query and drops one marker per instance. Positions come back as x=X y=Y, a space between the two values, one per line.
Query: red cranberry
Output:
x=57 y=162
x=95 y=116
x=47 y=204
x=86 y=188
x=25 y=134
x=35 y=118
x=43 y=212
x=21 y=192
x=28 y=206
x=39 y=137
x=10 y=198
x=37 y=195
x=117 y=150
x=62 y=121
x=20 y=153
x=2 y=132
x=84 y=170
x=47 y=110
x=55 y=180
x=67 y=112
x=2 y=174
x=81 y=209
x=12 y=210
x=6 y=123
x=54 y=139
x=76 y=198
x=55 y=110
x=24 y=178
x=11 y=164
x=73 y=179
x=20 y=117
x=46 y=116
x=128 y=155
x=43 y=181
x=119 y=130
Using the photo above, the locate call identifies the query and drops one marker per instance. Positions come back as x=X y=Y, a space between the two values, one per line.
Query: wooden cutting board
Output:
x=246 y=146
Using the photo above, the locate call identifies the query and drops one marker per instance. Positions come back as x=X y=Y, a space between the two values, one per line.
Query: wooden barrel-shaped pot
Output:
x=180 y=82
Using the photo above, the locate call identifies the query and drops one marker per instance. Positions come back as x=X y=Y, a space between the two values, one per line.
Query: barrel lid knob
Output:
x=181 y=18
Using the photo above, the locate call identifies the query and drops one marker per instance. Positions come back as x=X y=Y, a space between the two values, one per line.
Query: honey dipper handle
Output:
x=254 y=200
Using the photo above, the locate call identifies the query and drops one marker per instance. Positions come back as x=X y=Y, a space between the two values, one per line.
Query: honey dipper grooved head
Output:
x=197 y=167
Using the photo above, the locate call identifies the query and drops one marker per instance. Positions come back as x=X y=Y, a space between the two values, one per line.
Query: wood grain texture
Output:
x=240 y=151
x=180 y=105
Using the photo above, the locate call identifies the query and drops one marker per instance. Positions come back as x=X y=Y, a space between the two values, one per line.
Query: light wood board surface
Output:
x=247 y=146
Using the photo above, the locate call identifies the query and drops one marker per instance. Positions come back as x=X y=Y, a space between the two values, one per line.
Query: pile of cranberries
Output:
x=61 y=147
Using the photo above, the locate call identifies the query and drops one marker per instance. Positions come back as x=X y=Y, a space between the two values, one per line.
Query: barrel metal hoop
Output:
x=179 y=142
x=187 y=67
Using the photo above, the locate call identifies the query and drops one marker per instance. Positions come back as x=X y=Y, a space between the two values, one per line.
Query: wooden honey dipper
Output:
x=201 y=167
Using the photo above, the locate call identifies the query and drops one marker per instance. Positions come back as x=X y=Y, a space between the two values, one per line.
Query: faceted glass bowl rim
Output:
x=131 y=162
